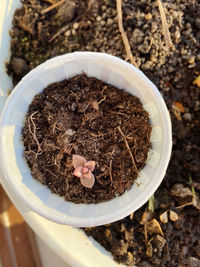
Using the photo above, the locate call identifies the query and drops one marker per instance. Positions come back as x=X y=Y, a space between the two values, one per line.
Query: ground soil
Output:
x=93 y=26
x=87 y=117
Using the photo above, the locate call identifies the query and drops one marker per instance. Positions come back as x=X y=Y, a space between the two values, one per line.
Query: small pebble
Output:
x=148 y=16
x=68 y=33
x=109 y=21
x=73 y=32
x=75 y=26
x=103 y=8
x=99 y=18
x=191 y=60
x=19 y=66
x=187 y=116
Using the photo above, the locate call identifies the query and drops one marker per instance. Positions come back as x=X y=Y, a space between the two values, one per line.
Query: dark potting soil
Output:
x=92 y=26
x=87 y=117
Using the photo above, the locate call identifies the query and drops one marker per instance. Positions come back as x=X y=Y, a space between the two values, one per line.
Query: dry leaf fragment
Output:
x=197 y=81
x=177 y=109
x=146 y=216
x=179 y=106
x=173 y=216
x=178 y=190
x=164 y=217
x=153 y=227
x=149 y=249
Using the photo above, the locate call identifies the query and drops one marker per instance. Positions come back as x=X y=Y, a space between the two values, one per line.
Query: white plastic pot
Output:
x=71 y=244
x=37 y=196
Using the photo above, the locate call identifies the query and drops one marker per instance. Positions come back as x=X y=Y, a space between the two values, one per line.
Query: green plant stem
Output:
x=151 y=203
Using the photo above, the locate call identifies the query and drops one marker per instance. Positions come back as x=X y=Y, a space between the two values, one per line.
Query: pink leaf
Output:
x=88 y=182
x=90 y=165
x=85 y=170
x=78 y=172
x=78 y=161
x=88 y=175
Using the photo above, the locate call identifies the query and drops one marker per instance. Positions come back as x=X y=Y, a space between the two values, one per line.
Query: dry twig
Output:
x=33 y=133
x=52 y=7
x=123 y=34
x=164 y=24
x=110 y=171
x=129 y=150
x=63 y=29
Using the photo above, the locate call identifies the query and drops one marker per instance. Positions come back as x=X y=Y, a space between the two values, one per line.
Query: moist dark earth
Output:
x=92 y=26
x=87 y=117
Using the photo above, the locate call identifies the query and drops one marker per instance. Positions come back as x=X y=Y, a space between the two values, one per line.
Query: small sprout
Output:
x=83 y=170
x=173 y=216
x=164 y=217
x=195 y=199
x=151 y=203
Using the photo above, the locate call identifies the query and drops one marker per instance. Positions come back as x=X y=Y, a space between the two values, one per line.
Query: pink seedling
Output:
x=83 y=170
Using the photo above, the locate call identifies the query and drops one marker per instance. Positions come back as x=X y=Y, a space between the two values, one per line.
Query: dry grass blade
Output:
x=110 y=171
x=63 y=29
x=52 y=7
x=123 y=34
x=165 y=26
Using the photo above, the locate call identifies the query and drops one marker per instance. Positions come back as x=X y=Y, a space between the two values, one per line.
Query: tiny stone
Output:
x=103 y=8
x=68 y=33
x=109 y=21
x=191 y=66
x=103 y=22
x=19 y=66
x=99 y=18
x=102 y=169
x=148 y=16
x=191 y=60
x=193 y=262
x=187 y=116
x=75 y=26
